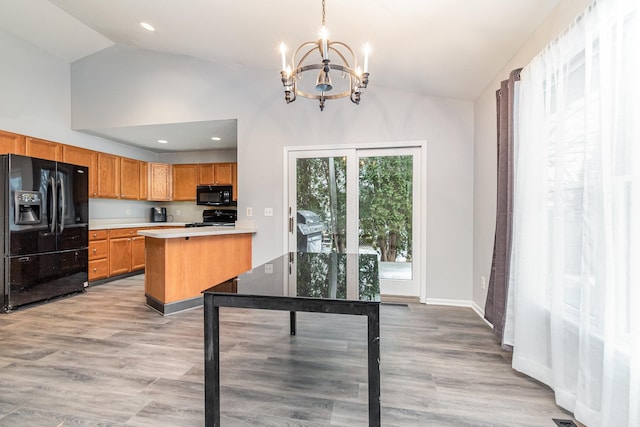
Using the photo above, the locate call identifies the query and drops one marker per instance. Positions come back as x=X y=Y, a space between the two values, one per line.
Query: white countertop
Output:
x=173 y=233
x=109 y=226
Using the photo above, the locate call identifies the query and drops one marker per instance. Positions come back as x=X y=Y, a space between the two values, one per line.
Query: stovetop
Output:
x=216 y=217
x=210 y=224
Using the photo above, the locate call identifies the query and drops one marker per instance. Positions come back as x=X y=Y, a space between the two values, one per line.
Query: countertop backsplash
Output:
x=110 y=211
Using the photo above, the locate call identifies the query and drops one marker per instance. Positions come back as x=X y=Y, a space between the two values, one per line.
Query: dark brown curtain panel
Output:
x=496 y=303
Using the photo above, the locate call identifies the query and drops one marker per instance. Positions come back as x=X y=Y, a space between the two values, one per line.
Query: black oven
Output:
x=214 y=195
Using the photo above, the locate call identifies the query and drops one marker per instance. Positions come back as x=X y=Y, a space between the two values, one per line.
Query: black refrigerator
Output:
x=45 y=229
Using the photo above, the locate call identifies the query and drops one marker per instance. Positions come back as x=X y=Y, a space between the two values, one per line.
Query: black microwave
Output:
x=214 y=195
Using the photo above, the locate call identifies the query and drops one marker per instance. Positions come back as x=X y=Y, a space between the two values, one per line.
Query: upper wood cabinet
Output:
x=159 y=181
x=43 y=149
x=129 y=178
x=185 y=180
x=223 y=173
x=144 y=181
x=215 y=173
x=12 y=143
x=108 y=176
x=83 y=157
x=234 y=182
x=206 y=174
x=219 y=174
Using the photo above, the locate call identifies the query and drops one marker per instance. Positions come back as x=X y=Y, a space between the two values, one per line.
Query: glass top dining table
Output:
x=299 y=281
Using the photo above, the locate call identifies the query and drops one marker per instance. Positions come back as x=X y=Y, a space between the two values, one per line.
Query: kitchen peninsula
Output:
x=183 y=262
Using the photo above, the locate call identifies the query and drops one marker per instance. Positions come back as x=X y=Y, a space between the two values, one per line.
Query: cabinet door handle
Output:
x=95 y=250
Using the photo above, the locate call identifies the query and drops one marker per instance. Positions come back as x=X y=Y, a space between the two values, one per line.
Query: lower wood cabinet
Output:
x=137 y=253
x=116 y=251
x=98 y=255
x=120 y=243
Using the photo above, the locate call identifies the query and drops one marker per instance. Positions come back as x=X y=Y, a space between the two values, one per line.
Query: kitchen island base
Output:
x=179 y=269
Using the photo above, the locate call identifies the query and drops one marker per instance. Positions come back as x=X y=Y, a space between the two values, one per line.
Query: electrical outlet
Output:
x=177 y=212
x=249 y=211
x=268 y=268
x=268 y=211
x=128 y=211
x=483 y=282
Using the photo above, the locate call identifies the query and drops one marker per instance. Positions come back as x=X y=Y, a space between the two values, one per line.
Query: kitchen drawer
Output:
x=97 y=234
x=98 y=249
x=98 y=269
x=117 y=233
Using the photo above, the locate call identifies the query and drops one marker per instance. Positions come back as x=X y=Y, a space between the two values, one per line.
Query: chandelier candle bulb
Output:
x=367 y=49
x=325 y=44
x=283 y=52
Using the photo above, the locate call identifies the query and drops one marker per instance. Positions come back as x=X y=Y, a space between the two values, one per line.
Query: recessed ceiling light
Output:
x=162 y=141
x=147 y=26
x=215 y=138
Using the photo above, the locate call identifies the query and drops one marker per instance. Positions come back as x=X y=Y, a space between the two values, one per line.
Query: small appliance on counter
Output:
x=158 y=214
x=216 y=217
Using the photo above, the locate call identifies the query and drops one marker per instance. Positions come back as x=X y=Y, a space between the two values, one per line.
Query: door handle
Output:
x=63 y=203
x=53 y=205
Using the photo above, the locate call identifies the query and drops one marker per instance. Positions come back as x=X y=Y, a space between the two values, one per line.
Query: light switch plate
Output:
x=249 y=211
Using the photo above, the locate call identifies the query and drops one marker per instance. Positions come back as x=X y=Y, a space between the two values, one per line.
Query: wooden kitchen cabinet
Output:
x=206 y=174
x=159 y=181
x=12 y=143
x=223 y=173
x=137 y=253
x=98 y=255
x=120 y=250
x=234 y=181
x=83 y=157
x=108 y=176
x=185 y=180
x=215 y=173
x=219 y=174
x=129 y=178
x=144 y=181
x=43 y=149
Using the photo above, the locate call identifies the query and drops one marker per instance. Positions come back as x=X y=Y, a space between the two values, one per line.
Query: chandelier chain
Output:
x=323 y=12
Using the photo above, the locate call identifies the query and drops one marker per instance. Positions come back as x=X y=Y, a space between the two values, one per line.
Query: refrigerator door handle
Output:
x=52 y=203
x=63 y=205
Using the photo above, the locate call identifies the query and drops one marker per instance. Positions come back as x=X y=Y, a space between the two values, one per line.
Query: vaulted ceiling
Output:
x=443 y=48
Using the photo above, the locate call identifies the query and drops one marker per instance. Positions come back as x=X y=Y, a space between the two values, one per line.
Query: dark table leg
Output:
x=292 y=322
x=373 y=332
x=211 y=363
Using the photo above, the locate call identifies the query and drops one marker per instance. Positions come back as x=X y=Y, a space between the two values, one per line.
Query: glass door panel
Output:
x=320 y=204
x=386 y=213
x=359 y=201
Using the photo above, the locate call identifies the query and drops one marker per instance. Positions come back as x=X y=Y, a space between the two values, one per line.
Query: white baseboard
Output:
x=450 y=302
x=460 y=303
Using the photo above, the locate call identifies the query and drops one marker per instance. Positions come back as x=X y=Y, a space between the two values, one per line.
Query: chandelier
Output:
x=345 y=63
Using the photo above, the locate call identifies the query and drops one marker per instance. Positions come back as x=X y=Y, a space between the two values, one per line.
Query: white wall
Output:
x=35 y=100
x=170 y=88
x=485 y=136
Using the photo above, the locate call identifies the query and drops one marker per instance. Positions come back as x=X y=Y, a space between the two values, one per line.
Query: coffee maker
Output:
x=158 y=214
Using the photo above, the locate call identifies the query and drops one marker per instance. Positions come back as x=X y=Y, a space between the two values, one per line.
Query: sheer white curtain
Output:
x=573 y=315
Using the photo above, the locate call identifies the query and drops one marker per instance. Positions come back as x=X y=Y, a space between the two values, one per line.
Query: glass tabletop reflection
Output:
x=311 y=275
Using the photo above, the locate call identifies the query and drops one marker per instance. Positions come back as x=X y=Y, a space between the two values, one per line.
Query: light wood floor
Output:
x=103 y=359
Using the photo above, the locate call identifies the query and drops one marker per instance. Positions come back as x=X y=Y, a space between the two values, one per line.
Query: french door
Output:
x=360 y=201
